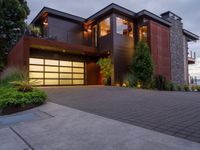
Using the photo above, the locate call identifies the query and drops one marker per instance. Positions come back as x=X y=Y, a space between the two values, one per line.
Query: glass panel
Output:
x=37 y=81
x=124 y=27
x=36 y=75
x=51 y=69
x=51 y=62
x=66 y=82
x=65 y=69
x=51 y=75
x=62 y=75
x=94 y=36
x=66 y=63
x=35 y=68
x=51 y=82
x=36 y=61
x=78 y=70
x=105 y=27
x=78 y=82
x=80 y=76
x=78 y=64
x=143 y=33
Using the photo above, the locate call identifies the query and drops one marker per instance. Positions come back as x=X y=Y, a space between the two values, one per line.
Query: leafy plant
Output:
x=160 y=82
x=142 y=66
x=170 y=86
x=198 y=88
x=179 y=87
x=34 y=30
x=186 y=87
x=193 y=88
x=10 y=97
x=105 y=66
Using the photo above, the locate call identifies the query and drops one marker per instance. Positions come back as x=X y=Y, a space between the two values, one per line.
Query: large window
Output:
x=56 y=72
x=143 y=33
x=124 y=27
x=94 y=36
x=105 y=27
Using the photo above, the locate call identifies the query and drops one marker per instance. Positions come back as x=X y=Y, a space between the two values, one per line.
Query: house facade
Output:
x=69 y=46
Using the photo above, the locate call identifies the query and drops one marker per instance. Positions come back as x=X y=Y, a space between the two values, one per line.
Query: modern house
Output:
x=70 y=46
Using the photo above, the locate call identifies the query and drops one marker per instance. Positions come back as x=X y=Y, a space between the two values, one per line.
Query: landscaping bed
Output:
x=12 y=100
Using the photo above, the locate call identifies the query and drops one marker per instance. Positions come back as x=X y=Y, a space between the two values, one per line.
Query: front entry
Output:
x=56 y=72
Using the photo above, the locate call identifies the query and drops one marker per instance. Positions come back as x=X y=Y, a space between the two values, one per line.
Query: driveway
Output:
x=173 y=113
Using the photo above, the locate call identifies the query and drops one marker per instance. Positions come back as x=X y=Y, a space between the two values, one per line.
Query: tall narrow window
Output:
x=105 y=27
x=124 y=27
x=143 y=33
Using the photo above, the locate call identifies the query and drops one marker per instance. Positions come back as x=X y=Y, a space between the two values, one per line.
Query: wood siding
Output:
x=160 y=49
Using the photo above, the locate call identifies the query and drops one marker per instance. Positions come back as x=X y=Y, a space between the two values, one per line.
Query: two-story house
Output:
x=70 y=46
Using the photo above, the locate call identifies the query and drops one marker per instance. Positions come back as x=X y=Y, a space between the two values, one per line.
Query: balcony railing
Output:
x=191 y=57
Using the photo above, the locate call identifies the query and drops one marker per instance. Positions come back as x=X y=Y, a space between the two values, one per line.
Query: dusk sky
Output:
x=188 y=10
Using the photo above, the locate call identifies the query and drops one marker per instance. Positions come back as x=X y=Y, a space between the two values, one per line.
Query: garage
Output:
x=56 y=72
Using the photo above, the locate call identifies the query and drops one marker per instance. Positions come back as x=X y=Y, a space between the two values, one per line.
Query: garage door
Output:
x=56 y=72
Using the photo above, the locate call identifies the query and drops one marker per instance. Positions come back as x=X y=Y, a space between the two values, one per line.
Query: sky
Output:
x=188 y=10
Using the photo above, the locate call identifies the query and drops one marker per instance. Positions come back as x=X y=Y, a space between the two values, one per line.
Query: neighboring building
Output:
x=194 y=72
x=70 y=46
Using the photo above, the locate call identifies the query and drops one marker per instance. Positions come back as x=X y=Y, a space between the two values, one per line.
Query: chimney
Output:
x=170 y=15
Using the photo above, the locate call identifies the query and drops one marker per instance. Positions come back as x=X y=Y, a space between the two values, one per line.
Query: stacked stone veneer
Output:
x=178 y=51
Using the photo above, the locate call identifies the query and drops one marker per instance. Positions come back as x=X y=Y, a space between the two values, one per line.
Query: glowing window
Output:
x=143 y=33
x=62 y=75
x=79 y=76
x=105 y=27
x=78 y=82
x=51 y=62
x=124 y=27
x=78 y=70
x=66 y=63
x=78 y=64
x=36 y=68
x=36 y=61
x=51 y=69
x=36 y=75
x=51 y=75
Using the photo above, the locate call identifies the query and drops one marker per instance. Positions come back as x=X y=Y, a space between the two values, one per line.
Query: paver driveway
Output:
x=173 y=113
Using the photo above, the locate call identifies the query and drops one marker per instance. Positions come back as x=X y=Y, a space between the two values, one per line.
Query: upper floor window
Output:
x=105 y=27
x=143 y=33
x=124 y=27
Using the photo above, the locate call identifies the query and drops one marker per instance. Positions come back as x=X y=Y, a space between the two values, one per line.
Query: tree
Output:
x=105 y=65
x=12 y=16
x=142 y=65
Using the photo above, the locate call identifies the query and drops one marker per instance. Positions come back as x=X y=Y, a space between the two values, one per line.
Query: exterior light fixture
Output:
x=64 y=51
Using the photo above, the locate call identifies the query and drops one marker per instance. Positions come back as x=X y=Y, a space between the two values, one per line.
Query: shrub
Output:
x=105 y=65
x=129 y=80
x=142 y=66
x=186 y=87
x=160 y=82
x=179 y=87
x=193 y=88
x=10 y=97
x=198 y=88
x=9 y=75
x=170 y=87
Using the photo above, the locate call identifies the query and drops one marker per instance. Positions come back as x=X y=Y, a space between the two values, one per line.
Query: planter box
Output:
x=11 y=110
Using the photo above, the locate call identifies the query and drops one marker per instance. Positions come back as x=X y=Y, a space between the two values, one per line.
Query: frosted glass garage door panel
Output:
x=51 y=62
x=51 y=82
x=37 y=81
x=65 y=82
x=78 y=82
x=36 y=75
x=65 y=69
x=78 y=64
x=36 y=61
x=79 y=76
x=62 y=75
x=36 y=68
x=51 y=69
x=66 y=63
x=78 y=70
x=51 y=75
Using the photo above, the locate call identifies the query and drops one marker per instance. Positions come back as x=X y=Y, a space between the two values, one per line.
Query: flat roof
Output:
x=191 y=36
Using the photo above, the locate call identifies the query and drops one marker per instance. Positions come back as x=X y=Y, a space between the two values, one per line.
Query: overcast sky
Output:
x=187 y=9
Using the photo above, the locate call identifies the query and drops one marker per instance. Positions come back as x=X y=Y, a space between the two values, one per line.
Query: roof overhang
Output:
x=190 y=36
x=153 y=16
x=47 y=10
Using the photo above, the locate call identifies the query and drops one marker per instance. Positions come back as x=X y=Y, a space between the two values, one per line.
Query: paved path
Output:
x=71 y=129
x=173 y=113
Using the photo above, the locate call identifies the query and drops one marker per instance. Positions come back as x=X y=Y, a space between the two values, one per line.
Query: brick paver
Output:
x=173 y=113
